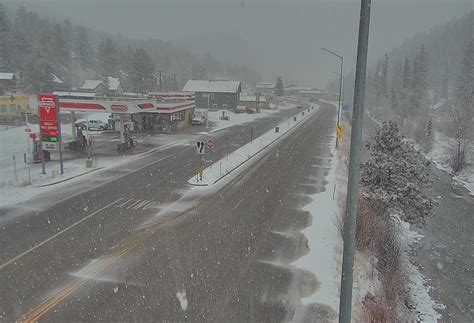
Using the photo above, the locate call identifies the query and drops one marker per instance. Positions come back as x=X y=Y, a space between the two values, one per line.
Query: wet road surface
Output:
x=127 y=251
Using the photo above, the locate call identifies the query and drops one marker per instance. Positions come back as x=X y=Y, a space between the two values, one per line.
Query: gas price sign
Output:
x=48 y=113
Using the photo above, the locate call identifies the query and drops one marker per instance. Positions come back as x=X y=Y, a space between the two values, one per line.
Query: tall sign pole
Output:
x=50 y=125
x=354 y=166
x=60 y=137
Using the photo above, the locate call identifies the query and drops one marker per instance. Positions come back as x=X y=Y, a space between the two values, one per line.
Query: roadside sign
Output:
x=50 y=146
x=27 y=130
x=339 y=131
x=48 y=114
x=200 y=147
x=211 y=144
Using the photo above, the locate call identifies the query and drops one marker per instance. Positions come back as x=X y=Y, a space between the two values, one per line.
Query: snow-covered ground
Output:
x=14 y=186
x=419 y=288
x=324 y=243
x=441 y=156
x=240 y=118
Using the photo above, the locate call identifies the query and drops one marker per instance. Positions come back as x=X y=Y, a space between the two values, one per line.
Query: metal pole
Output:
x=61 y=166
x=27 y=135
x=73 y=125
x=354 y=164
x=14 y=167
x=208 y=103
x=340 y=99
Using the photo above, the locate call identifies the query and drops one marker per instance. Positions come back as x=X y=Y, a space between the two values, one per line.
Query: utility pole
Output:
x=175 y=84
x=345 y=303
x=340 y=89
x=160 y=71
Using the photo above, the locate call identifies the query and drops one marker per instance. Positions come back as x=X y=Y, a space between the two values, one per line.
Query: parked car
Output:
x=98 y=125
x=199 y=117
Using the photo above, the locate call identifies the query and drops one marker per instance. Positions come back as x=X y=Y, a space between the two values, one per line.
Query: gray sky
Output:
x=275 y=37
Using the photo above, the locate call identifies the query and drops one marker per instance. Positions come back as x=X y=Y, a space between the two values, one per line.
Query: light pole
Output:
x=340 y=87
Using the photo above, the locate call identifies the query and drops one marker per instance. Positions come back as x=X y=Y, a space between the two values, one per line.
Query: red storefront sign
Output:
x=118 y=107
x=48 y=112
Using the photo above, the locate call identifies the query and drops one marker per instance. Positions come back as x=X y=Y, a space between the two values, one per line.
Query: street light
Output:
x=340 y=87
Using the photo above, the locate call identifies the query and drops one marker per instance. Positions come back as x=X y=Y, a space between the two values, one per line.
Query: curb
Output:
x=67 y=179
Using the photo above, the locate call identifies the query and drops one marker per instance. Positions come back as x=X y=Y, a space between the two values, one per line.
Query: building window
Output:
x=224 y=106
x=212 y=96
x=3 y=108
x=214 y=106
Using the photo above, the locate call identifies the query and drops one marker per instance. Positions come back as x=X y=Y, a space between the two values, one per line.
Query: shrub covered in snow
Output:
x=397 y=176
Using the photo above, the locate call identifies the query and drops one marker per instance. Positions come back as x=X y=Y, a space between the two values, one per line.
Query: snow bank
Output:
x=419 y=288
x=323 y=239
x=238 y=118
x=441 y=154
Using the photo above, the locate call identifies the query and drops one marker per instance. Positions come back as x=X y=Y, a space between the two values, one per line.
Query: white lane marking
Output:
x=111 y=180
x=237 y=205
x=57 y=234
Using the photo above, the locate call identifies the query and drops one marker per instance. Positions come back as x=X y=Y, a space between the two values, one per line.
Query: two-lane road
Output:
x=85 y=259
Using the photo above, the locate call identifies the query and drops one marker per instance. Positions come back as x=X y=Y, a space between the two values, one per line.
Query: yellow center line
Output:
x=42 y=309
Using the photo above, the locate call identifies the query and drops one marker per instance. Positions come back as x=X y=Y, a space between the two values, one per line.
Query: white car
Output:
x=96 y=125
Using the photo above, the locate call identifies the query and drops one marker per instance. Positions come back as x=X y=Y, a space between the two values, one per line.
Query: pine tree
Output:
x=23 y=41
x=377 y=77
x=108 y=58
x=444 y=85
x=5 y=42
x=464 y=85
x=142 y=75
x=393 y=99
x=38 y=72
x=279 y=88
x=419 y=86
x=83 y=49
x=384 y=77
x=60 y=49
x=406 y=74
x=396 y=176
x=428 y=138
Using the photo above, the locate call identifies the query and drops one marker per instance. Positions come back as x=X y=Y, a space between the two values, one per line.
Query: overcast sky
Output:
x=275 y=37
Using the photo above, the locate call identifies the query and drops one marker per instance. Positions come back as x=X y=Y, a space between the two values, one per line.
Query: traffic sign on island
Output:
x=211 y=144
x=200 y=147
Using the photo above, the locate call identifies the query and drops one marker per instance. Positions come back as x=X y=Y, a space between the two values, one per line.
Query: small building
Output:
x=215 y=94
x=57 y=84
x=253 y=101
x=265 y=87
x=97 y=87
x=7 y=80
x=14 y=105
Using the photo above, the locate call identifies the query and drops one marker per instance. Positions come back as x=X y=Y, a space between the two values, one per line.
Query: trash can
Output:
x=294 y=119
x=277 y=129
x=88 y=163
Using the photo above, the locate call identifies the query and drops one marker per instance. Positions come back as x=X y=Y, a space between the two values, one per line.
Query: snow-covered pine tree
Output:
x=108 y=58
x=397 y=176
x=5 y=42
x=384 y=77
x=419 y=85
x=83 y=48
x=406 y=74
x=279 y=89
x=460 y=125
x=464 y=85
x=427 y=142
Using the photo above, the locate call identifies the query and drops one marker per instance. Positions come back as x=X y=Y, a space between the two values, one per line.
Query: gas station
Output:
x=158 y=113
